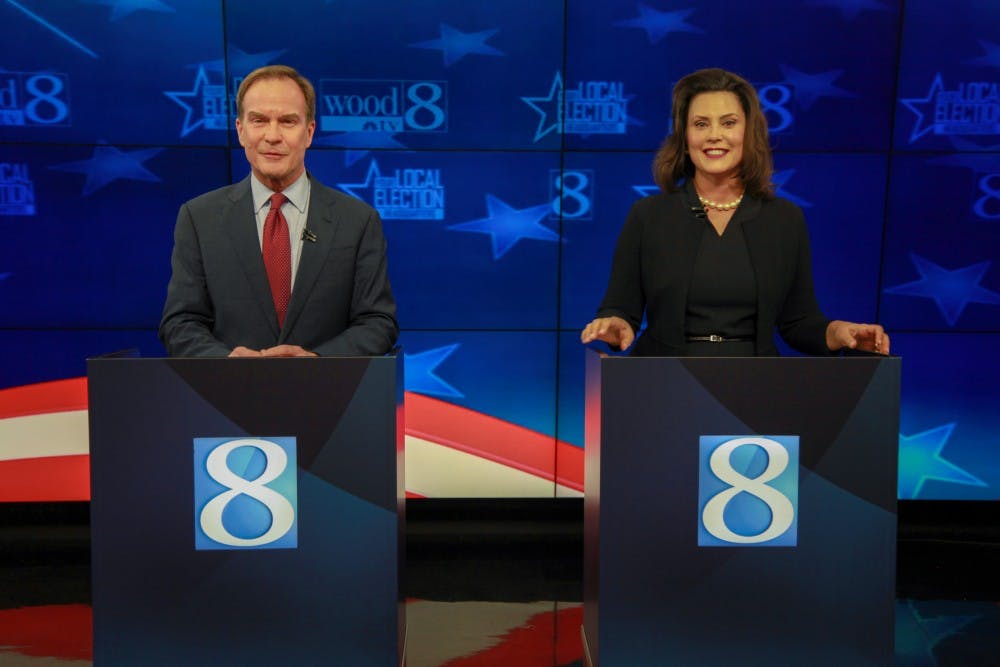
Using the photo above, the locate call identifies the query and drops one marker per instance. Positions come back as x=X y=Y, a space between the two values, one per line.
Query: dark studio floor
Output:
x=499 y=583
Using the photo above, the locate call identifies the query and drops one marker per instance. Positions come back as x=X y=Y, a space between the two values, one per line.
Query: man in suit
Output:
x=308 y=279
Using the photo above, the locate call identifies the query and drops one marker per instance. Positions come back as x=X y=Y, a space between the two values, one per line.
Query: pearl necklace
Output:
x=708 y=203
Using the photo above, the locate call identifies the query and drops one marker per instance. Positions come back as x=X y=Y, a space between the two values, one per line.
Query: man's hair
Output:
x=673 y=164
x=278 y=72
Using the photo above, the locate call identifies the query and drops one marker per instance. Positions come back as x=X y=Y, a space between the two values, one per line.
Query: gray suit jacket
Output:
x=218 y=297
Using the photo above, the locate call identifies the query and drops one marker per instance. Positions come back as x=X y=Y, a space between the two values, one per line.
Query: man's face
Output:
x=274 y=132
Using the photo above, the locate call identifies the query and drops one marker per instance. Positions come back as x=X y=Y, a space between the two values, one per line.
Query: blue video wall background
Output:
x=503 y=144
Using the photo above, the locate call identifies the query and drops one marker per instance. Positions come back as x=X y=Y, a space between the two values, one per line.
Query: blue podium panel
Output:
x=247 y=512
x=740 y=511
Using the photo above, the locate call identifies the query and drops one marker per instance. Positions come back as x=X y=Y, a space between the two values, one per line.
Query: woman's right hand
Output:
x=612 y=330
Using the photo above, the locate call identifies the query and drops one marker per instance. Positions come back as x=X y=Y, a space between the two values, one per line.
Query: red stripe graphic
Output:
x=439 y=422
x=45 y=479
x=43 y=398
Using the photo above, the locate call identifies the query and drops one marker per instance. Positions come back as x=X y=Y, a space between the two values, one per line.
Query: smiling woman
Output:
x=716 y=261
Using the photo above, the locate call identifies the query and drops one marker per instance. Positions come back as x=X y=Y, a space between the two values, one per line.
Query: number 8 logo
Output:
x=780 y=507
x=280 y=509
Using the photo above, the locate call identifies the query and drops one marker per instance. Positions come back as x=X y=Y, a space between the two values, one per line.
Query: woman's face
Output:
x=715 y=128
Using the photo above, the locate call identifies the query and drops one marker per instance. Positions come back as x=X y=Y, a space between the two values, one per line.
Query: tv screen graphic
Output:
x=122 y=73
x=89 y=233
x=480 y=414
x=947 y=81
x=842 y=196
x=948 y=418
x=503 y=144
x=473 y=237
x=818 y=89
x=47 y=355
x=447 y=74
x=598 y=190
x=941 y=270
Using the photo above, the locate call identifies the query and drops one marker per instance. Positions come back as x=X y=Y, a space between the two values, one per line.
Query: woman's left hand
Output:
x=867 y=337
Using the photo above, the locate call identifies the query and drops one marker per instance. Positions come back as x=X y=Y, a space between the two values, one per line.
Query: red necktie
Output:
x=277 y=252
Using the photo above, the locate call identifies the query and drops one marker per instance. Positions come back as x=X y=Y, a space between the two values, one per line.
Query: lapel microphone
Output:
x=308 y=235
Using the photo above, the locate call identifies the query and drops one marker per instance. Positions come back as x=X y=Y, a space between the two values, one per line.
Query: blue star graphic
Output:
x=420 y=375
x=659 y=24
x=951 y=290
x=810 y=87
x=197 y=95
x=992 y=57
x=455 y=44
x=851 y=8
x=5 y=276
x=359 y=144
x=780 y=178
x=548 y=106
x=109 y=164
x=922 y=106
x=369 y=183
x=508 y=225
x=122 y=8
x=920 y=460
x=241 y=62
x=646 y=190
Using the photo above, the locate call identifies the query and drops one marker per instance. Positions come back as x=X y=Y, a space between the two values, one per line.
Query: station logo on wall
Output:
x=17 y=190
x=588 y=107
x=34 y=99
x=960 y=109
x=383 y=105
x=410 y=193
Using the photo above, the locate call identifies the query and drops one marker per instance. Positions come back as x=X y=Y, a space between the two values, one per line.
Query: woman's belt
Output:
x=713 y=338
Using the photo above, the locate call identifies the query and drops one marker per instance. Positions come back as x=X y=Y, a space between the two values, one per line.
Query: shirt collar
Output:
x=297 y=193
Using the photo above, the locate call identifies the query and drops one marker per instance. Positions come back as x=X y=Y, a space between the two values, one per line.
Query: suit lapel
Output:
x=760 y=245
x=321 y=223
x=241 y=226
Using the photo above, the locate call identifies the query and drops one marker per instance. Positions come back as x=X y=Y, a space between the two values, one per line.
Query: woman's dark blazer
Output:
x=654 y=261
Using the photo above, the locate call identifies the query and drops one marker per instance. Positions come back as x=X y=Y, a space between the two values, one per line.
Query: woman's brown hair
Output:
x=672 y=163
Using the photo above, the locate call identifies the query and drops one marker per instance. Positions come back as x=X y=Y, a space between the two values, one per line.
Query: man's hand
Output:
x=287 y=351
x=244 y=352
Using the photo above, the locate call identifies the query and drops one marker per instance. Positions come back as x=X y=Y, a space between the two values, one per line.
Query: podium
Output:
x=740 y=511
x=247 y=511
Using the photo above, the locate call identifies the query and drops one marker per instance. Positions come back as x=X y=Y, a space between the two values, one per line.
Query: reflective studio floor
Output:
x=499 y=583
